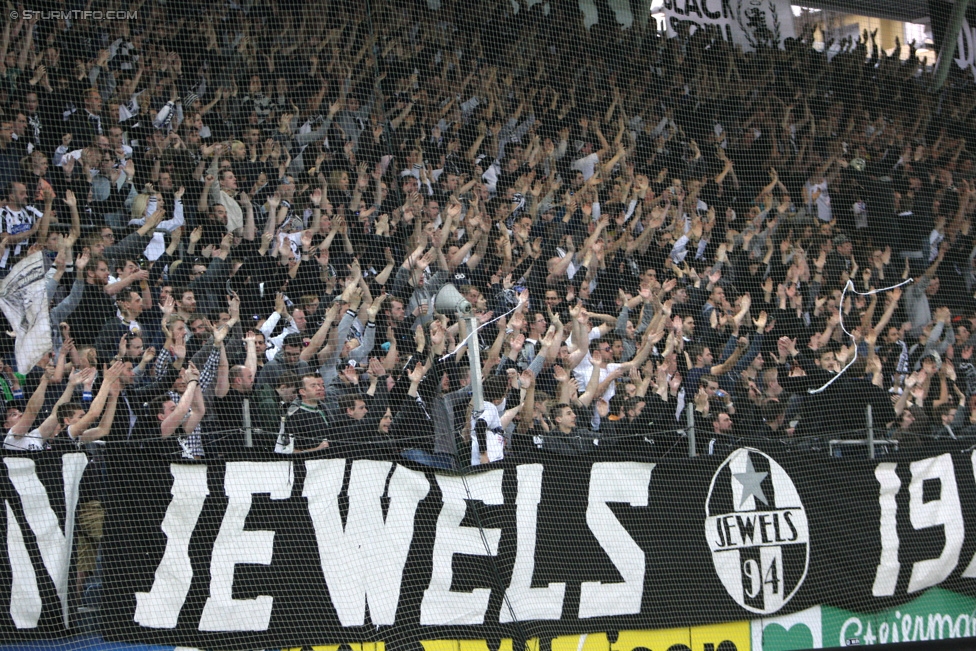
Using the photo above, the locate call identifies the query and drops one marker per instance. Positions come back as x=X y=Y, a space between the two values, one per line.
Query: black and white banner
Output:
x=965 y=52
x=39 y=494
x=752 y=24
x=288 y=552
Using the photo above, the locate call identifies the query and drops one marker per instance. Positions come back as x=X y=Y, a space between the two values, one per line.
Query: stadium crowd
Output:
x=247 y=215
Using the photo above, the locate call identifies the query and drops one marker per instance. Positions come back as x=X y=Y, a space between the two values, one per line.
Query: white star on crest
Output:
x=751 y=483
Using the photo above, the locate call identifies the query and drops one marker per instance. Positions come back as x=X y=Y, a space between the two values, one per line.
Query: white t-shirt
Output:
x=32 y=441
x=586 y=165
x=495 y=444
x=582 y=373
x=822 y=202
x=584 y=370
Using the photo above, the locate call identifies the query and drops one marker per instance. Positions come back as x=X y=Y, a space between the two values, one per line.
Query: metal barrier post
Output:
x=690 y=408
x=870 y=423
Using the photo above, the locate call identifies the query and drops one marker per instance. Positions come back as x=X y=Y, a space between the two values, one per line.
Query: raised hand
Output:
x=948 y=370
x=234 y=305
x=559 y=374
x=81 y=376
x=573 y=383
x=375 y=368
x=374 y=308
x=416 y=376
x=273 y=202
x=220 y=334
x=575 y=311
x=550 y=337
x=517 y=342
x=760 y=323
x=191 y=373
x=179 y=349
x=674 y=384
x=167 y=306
x=419 y=338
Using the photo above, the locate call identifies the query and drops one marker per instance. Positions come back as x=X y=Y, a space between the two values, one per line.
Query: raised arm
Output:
x=729 y=364
x=251 y=358
x=222 y=385
x=177 y=416
x=318 y=339
x=889 y=310
x=108 y=416
x=593 y=386
x=71 y=200
x=528 y=404
x=198 y=411
x=26 y=420
x=78 y=428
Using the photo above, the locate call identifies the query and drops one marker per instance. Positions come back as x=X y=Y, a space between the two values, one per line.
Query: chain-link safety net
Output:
x=483 y=326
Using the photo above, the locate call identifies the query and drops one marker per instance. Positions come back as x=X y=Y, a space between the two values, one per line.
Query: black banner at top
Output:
x=278 y=552
x=965 y=52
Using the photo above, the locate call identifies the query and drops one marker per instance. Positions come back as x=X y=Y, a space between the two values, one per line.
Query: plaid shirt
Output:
x=192 y=443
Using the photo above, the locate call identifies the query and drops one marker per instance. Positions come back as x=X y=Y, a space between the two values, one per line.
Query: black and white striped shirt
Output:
x=15 y=222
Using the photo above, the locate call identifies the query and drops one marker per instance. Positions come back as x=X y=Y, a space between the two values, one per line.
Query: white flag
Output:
x=23 y=299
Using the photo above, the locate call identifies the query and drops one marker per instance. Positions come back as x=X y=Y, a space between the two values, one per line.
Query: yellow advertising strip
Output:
x=355 y=646
x=716 y=637
x=735 y=636
x=465 y=645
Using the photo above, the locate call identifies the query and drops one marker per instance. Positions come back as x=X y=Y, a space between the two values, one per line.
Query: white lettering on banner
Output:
x=234 y=545
x=756 y=529
x=905 y=628
x=886 y=576
x=25 y=598
x=53 y=543
x=522 y=601
x=625 y=483
x=161 y=606
x=966 y=48
x=970 y=571
x=365 y=561
x=945 y=511
x=441 y=606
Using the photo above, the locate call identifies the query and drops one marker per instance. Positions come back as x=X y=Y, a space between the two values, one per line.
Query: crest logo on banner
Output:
x=757 y=531
x=760 y=24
